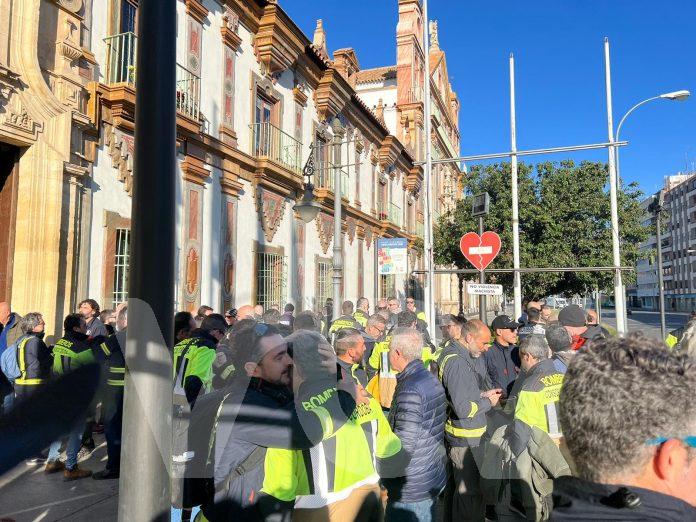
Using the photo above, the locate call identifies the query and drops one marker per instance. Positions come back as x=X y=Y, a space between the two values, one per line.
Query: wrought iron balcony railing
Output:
x=188 y=93
x=120 y=58
x=268 y=141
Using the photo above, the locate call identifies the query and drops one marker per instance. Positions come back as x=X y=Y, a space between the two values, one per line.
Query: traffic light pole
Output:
x=482 y=279
x=144 y=488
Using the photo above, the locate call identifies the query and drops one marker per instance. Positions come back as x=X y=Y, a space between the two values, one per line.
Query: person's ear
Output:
x=252 y=369
x=669 y=461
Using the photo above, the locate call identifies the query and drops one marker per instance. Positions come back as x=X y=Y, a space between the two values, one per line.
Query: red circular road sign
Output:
x=480 y=251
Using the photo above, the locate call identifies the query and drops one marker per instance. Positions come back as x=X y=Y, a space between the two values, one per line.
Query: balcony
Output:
x=420 y=229
x=120 y=80
x=188 y=94
x=326 y=176
x=269 y=142
x=395 y=215
x=120 y=58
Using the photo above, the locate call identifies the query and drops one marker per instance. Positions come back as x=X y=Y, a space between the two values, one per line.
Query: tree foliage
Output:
x=564 y=221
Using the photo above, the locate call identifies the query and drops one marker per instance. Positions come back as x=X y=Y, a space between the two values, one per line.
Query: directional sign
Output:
x=480 y=251
x=482 y=289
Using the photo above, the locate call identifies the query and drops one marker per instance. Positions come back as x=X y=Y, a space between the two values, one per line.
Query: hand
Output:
x=362 y=397
x=494 y=396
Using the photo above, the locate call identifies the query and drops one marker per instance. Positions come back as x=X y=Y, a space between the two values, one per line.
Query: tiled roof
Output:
x=378 y=74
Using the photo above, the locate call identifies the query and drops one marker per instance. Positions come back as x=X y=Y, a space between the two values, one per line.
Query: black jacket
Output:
x=417 y=417
x=258 y=414
x=38 y=362
x=503 y=365
x=576 y=499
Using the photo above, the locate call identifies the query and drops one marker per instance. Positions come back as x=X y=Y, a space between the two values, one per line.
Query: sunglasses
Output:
x=689 y=441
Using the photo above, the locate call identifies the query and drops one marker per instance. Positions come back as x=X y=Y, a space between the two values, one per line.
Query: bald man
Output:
x=245 y=312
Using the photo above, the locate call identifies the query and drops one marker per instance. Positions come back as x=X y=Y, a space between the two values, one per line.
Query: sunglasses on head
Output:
x=689 y=441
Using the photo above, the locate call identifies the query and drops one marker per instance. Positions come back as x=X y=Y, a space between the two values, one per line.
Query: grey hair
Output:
x=376 y=319
x=536 y=346
x=408 y=341
x=687 y=343
x=617 y=395
x=558 y=338
x=473 y=327
x=29 y=322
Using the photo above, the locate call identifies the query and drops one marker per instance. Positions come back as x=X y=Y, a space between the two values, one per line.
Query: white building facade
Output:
x=253 y=93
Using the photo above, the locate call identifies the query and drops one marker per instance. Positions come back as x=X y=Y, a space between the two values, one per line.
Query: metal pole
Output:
x=530 y=152
x=660 y=279
x=338 y=229
x=483 y=315
x=619 y=293
x=144 y=487
x=428 y=231
x=516 y=278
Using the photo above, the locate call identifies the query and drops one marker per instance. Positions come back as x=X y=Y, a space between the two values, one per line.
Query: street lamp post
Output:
x=656 y=208
x=338 y=132
x=680 y=95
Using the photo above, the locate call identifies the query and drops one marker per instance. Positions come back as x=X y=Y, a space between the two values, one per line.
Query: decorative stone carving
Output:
x=319 y=39
x=368 y=237
x=351 y=228
x=271 y=208
x=192 y=261
x=434 y=39
x=230 y=29
x=73 y=6
x=121 y=147
x=325 y=229
x=230 y=19
x=18 y=118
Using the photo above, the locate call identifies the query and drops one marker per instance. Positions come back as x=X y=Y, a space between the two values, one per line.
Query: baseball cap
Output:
x=232 y=312
x=572 y=315
x=503 y=322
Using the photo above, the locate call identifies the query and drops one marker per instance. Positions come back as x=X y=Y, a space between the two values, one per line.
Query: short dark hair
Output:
x=406 y=318
x=558 y=338
x=246 y=342
x=342 y=342
x=271 y=316
x=202 y=310
x=214 y=322
x=289 y=307
x=347 y=307
x=182 y=321
x=72 y=321
x=533 y=314
x=93 y=304
x=306 y=320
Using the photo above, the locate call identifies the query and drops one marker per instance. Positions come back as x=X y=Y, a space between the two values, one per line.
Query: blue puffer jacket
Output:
x=417 y=417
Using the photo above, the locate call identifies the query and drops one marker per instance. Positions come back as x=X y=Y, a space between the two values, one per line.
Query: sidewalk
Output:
x=27 y=494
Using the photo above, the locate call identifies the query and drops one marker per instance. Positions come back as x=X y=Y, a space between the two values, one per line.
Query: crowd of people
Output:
x=363 y=416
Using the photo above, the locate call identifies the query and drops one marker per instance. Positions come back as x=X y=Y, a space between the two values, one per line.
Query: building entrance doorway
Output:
x=9 y=158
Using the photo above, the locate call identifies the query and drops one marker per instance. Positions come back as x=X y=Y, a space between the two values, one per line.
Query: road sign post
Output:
x=480 y=250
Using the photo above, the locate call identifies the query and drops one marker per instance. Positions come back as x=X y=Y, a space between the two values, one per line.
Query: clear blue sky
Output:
x=558 y=47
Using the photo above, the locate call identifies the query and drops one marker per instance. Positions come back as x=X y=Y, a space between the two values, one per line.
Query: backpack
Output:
x=9 y=363
x=519 y=465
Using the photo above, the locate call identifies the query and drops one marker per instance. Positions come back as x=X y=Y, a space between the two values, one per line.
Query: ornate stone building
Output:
x=253 y=93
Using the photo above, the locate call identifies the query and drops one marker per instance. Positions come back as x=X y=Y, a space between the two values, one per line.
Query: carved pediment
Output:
x=351 y=228
x=271 y=209
x=120 y=147
x=278 y=43
x=325 y=229
x=332 y=94
x=389 y=151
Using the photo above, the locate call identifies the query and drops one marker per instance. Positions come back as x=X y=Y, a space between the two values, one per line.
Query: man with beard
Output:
x=260 y=411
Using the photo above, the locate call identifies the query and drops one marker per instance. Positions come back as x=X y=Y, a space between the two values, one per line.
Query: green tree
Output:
x=564 y=213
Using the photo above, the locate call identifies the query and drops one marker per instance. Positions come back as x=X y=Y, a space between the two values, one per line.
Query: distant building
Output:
x=678 y=248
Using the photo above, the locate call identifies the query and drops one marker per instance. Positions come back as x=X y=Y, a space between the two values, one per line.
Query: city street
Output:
x=647 y=322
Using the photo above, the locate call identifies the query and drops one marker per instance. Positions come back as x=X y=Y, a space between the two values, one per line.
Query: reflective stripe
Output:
x=23 y=367
x=552 y=420
x=227 y=371
x=105 y=349
x=444 y=360
x=474 y=409
x=114 y=382
x=117 y=370
x=325 y=419
x=31 y=382
x=463 y=432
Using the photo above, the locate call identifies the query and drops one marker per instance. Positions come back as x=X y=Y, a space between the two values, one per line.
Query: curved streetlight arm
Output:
x=618 y=129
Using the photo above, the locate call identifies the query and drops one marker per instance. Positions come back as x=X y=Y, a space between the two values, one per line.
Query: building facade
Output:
x=255 y=97
x=678 y=248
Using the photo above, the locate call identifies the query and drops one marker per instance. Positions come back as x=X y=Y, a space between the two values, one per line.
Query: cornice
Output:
x=279 y=42
x=332 y=94
x=196 y=10
x=194 y=170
